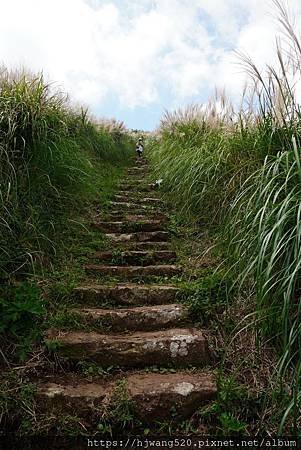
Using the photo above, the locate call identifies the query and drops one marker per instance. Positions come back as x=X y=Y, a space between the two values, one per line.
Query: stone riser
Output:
x=125 y=294
x=128 y=227
x=142 y=258
x=173 y=347
x=145 y=318
x=152 y=396
x=147 y=236
x=129 y=272
x=121 y=216
x=134 y=207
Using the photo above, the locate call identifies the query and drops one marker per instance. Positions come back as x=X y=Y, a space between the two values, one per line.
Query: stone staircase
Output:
x=144 y=324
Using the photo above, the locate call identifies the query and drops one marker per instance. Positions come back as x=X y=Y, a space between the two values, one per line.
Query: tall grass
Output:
x=204 y=153
x=51 y=159
x=241 y=171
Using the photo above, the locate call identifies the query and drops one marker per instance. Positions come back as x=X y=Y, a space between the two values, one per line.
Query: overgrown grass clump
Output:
x=53 y=159
x=241 y=172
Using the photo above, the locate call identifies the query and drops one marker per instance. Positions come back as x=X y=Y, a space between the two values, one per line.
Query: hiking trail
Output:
x=133 y=323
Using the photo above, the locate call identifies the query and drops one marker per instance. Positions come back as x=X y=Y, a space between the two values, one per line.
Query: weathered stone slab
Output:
x=119 y=215
x=131 y=206
x=141 y=318
x=139 y=236
x=129 y=272
x=136 y=256
x=126 y=294
x=124 y=226
x=137 y=187
x=133 y=197
x=152 y=396
x=145 y=245
x=173 y=347
x=72 y=396
x=137 y=171
x=156 y=396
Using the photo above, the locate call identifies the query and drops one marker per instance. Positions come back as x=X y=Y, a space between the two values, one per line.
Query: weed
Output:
x=53 y=345
x=94 y=369
x=119 y=414
x=21 y=308
x=206 y=297
x=227 y=408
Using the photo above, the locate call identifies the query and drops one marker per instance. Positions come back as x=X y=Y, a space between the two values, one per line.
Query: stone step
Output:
x=134 y=197
x=130 y=272
x=137 y=170
x=137 y=187
x=141 y=162
x=126 y=294
x=173 y=347
x=73 y=396
x=140 y=246
x=144 y=318
x=150 y=236
x=137 y=174
x=127 y=197
x=154 y=200
x=135 y=257
x=156 y=396
x=122 y=226
x=119 y=215
x=131 y=206
x=153 y=396
x=132 y=182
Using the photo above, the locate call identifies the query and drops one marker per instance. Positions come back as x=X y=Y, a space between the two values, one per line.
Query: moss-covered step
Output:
x=129 y=226
x=137 y=257
x=125 y=294
x=130 y=272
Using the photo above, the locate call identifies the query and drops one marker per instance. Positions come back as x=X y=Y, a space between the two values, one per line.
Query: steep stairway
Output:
x=131 y=325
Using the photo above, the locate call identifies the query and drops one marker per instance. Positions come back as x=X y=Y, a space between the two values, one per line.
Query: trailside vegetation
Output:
x=239 y=171
x=55 y=161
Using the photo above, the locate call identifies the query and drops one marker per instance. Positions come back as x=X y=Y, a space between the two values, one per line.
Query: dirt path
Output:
x=141 y=324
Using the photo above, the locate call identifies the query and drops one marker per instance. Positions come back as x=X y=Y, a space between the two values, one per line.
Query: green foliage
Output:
x=19 y=306
x=267 y=244
x=21 y=309
x=230 y=424
x=53 y=345
x=53 y=159
x=200 y=165
x=119 y=415
x=54 y=162
x=206 y=296
x=227 y=408
x=245 y=167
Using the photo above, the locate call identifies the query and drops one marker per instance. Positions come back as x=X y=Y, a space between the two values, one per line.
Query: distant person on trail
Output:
x=139 y=147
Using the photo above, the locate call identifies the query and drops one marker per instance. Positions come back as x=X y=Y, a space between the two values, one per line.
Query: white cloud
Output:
x=130 y=48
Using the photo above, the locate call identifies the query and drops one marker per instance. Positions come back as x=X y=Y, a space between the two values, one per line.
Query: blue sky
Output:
x=133 y=59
